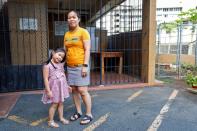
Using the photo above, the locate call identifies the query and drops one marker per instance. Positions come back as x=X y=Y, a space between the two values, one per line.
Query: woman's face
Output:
x=58 y=57
x=73 y=20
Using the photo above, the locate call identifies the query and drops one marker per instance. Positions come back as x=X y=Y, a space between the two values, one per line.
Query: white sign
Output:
x=28 y=24
x=60 y=28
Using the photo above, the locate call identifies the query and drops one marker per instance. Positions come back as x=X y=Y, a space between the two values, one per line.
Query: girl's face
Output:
x=58 y=57
x=73 y=20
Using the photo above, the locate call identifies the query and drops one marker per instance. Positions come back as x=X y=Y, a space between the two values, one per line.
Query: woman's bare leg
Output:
x=86 y=99
x=76 y=98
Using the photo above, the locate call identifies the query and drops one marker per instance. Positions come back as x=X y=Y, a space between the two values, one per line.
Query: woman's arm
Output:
x=87 y=46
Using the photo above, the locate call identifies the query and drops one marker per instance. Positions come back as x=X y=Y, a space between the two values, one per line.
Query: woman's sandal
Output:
x=64 y=121
x=75 y=116
x=86 y=120
x=53 y=124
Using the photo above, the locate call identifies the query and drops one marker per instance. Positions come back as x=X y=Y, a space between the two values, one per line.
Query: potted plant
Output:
x=191 y=80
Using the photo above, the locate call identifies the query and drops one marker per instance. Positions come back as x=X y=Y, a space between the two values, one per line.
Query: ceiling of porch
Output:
x=86 y=7
x=70 y=4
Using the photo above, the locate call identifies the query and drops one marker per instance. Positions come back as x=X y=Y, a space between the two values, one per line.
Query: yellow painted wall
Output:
x=171 y=59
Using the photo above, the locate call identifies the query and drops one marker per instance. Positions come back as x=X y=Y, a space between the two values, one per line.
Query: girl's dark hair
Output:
x=58 y=49
x=75 y=13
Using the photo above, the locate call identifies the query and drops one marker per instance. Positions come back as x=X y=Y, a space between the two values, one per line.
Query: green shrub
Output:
x=191 y=79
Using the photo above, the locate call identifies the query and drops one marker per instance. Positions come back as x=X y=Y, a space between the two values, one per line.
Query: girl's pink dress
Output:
x=57 y=83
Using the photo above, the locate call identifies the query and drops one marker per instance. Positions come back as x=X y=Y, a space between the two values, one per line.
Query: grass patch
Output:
x=166 y=80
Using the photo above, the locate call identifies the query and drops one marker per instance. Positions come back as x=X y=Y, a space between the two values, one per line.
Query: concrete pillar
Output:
x=148 y=41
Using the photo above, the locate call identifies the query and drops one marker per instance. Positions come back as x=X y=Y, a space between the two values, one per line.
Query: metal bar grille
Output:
x=30 y=29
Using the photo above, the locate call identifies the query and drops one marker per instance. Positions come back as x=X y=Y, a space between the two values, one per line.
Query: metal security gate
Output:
x=30 y=29
x=23 y=44
x=176 y=51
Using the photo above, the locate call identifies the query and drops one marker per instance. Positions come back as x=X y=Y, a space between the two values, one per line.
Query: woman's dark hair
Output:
x=75 y=13
x=58 y=49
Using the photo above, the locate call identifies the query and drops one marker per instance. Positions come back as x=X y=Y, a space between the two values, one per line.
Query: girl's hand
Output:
x=70 y=89
x=84 y=71
x=49 y=94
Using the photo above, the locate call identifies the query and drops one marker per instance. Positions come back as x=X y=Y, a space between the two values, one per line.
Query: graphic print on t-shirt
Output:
x=72 y=40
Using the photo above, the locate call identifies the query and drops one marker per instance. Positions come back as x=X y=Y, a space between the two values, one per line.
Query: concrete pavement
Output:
x=136 y=109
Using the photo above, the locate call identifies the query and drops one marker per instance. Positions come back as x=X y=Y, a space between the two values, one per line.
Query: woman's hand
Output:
x=49 y=94
x=84 y=71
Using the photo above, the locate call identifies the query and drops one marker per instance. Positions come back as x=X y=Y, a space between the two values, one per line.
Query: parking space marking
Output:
x=97 y=123
x=95 y=95
x=70 y=106
x=158 y=120
x=136 y=94
x=36 y=123
x=17 y=119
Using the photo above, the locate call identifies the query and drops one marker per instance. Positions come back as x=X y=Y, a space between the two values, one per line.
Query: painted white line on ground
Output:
x=70 y=106
x=17 y=119
x=134 y=95
x=158 y=120
x=95 y=95
x=97 y=123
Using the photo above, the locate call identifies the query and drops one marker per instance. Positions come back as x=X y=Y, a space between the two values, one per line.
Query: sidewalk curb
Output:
x=123 y=86
x=192 y=90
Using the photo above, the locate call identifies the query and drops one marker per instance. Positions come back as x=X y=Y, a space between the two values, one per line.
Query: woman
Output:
x=77 y=45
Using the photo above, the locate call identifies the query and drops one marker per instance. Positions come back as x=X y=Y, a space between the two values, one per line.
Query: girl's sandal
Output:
x=53 y=124
x=64 y=121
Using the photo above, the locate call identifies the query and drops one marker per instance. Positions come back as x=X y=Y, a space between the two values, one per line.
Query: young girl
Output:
x=56 y=87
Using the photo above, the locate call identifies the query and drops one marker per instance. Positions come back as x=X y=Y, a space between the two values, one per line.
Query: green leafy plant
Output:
x=191 y=79
x=168 y=27
x=188 y=68
x=191 y=74
x=190 y=15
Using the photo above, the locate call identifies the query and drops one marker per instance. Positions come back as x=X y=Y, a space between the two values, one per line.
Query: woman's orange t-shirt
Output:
x=73 y=42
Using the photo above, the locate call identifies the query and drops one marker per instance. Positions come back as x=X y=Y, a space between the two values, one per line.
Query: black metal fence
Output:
x=30 y=29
